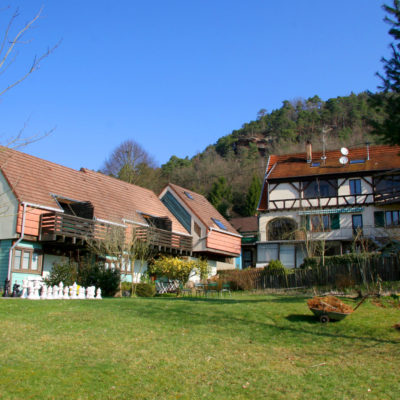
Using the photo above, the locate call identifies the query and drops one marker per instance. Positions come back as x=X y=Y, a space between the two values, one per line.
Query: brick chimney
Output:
x=309 y=151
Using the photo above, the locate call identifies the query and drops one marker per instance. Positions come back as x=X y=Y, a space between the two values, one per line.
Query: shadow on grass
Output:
x=310 y=319
x=214 y=300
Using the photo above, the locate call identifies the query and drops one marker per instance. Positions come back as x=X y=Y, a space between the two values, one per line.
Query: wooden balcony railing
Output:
x=59 y=225
x=387 y=197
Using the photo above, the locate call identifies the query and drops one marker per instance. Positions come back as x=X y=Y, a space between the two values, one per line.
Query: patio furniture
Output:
x=226 y=288
x=199 y=289
x=185 y=290
x=212 y=288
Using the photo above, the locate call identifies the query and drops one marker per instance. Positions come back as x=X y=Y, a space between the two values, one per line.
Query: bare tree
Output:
x=130 y=163
x=10 y=42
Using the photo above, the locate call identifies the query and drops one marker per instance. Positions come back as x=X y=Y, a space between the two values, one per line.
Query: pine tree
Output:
x=253 y=196
x=220 y=196
x=388 y=102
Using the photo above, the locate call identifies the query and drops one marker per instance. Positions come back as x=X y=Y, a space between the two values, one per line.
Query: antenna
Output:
x=344 y=151
x=343 y=160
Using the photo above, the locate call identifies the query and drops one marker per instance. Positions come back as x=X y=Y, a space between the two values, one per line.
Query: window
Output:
x=387 y=184
x=357 y=223
x=188 y=195
x=387 y=218
x=357 y=161
x=320 y=223
x=392 y=218
x=320 y=188
x=355 y=186
x=219 y=224
x=27 y=260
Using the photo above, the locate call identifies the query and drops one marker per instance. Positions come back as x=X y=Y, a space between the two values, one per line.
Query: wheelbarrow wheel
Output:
x=324 y=319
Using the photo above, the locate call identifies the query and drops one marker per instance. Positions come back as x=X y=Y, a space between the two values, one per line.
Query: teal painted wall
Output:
x=4 y=252
x=18 y=277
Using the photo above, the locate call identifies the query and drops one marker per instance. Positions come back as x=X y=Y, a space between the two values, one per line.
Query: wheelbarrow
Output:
x=326 y=316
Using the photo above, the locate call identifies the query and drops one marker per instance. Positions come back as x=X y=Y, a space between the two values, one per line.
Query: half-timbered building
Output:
x=332 y=197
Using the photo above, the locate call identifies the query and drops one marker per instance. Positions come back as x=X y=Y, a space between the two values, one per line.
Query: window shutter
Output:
x=379 y=217
x=335 y=221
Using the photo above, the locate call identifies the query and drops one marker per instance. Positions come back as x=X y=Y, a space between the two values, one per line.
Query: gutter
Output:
x=17 y=242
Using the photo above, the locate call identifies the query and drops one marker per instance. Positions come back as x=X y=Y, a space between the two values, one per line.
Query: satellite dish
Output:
x=344 y=151
x=343 y=160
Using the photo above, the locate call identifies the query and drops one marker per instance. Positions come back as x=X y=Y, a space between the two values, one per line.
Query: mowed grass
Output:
x=244 y=347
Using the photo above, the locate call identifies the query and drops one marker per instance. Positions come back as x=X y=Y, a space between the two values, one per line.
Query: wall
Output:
x=8 y=210
x=4 y=254
x=223 y=242
x=32 y=218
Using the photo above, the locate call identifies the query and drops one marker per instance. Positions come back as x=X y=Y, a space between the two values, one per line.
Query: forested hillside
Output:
x=230 y=171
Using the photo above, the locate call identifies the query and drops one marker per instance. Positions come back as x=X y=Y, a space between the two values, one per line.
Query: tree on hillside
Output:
x=389 y=102
x=253 y=196
x=220 y=196
x=130 y=163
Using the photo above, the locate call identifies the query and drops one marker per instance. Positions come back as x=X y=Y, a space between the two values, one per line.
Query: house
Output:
x=335 y=198
x=49 y=212
x=214 y=238
x=248 y=228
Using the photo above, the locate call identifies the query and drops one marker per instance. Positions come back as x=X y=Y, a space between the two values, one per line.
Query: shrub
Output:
x=62 y=272
x=145 y=290
x=96 y=274
x=275 y=267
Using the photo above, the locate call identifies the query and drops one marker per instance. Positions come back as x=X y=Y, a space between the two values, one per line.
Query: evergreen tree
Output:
x=389 y=103
x=220 y=196
x=253 y=196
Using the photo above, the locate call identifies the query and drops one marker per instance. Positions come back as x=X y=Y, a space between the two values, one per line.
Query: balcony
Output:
x=387 y=197
x=59 y=226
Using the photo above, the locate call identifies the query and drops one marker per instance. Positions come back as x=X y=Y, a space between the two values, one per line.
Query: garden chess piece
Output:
x=61 y=286
x=50 y=293
x=43 y=295
x=30 y=290
x=98 y=294
x=25 y=285
x=90 y=292
x=55 y=292
x=66 y=295
x=73 y=291
x=81 y=294
x=36 y=287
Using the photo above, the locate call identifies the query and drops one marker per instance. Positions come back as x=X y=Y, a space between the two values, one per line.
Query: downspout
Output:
x=17 y=242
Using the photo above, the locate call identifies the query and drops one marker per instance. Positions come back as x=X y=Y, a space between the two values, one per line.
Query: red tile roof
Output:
x=202 y=208
x=34 y=180
x=294 y=166
x=245 y=224
x=381 y=158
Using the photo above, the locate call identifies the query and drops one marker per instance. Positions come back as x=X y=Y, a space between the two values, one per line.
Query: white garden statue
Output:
x=98 y=294
x=43 y=295
x=74 y=289
x=66 y=295
x=81 y=294
x=25 y=286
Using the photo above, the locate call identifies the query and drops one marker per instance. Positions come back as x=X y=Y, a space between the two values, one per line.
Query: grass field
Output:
x=244 y=347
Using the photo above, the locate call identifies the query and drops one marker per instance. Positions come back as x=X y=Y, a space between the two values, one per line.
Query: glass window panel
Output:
x=388 y=218
x=267 y=252
x=35 y=262
x=395 y=217
x=286 y=255
x=25 y=260
x=357 y=222
x=17 y=259
x=355 y=186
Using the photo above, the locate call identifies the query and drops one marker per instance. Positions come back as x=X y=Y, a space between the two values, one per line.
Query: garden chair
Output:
x=184 y=290
x=199 y=289
x=226 y=288
x=160 y=287
x=212 y=288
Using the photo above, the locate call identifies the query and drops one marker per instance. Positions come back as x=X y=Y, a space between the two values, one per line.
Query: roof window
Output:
x=188 y=195
x=219 y=224
x=315 y=164
x=357 y=161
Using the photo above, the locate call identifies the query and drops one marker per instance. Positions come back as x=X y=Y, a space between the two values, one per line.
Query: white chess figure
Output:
x=81 y=294
x=98 y=294
x=60 y=293
x=55 y=292
x=89 y=293
x=73 y=291
x=50 y=293
x=36 y=287
x=43 y=295
x=66 y=295
x=30 y=291
x=24 y=294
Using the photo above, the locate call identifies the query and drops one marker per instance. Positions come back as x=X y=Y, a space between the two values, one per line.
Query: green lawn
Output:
x=244 y=347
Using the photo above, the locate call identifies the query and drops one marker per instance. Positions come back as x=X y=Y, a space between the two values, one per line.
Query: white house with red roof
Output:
x=337 y=198
x=214 y=238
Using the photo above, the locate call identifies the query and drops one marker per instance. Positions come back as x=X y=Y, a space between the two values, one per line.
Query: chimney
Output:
x=309 y=151
x=367 y=144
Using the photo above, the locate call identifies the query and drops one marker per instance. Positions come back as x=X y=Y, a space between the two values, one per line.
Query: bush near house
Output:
x=145 y=290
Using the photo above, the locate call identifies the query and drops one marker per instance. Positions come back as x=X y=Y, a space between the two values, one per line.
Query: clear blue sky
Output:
x=176 y=75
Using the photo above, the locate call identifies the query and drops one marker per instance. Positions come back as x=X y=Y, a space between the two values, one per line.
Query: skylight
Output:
x=220 y=224
x=357 y=161
x=188 y=195
x=315 y=164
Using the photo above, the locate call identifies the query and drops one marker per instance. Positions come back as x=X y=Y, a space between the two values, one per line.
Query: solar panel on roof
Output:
x=220 y=224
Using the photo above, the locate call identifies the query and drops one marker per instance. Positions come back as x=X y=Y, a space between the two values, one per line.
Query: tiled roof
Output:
x=36 y=181
x=381 y=158
x=245 y=224
x=202 y=208
x=290 y=167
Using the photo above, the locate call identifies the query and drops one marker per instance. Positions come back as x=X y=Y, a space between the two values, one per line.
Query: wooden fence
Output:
x=337 y=276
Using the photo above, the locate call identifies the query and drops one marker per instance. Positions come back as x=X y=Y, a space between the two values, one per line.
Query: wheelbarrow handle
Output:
x=362 y=301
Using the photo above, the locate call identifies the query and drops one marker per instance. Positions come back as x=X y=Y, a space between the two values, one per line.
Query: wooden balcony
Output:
x=387 y=197
x=59 y=226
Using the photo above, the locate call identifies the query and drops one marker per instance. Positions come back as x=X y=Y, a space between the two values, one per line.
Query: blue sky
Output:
x=176 y=75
